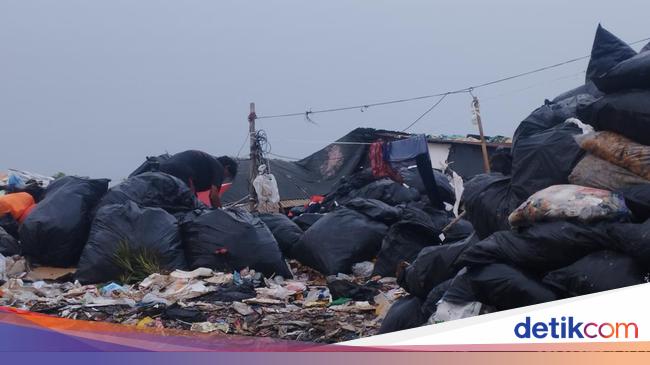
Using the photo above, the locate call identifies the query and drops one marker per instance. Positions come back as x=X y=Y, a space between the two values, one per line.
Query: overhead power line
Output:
x=361 y=106
x=442 y=95
x=426 y=112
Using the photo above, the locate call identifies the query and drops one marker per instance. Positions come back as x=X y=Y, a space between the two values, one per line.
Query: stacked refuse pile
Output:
x=132 y=245
x=149 y=223
x=56 y=231
x=378 y=227
x=571 y=219
x=375 y=219
x=309 y=307
x=546 y=151
x=374 y=255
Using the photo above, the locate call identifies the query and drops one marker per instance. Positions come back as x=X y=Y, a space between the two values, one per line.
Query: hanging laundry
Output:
x=416 y=148
x=406 y=149
x=379 y=166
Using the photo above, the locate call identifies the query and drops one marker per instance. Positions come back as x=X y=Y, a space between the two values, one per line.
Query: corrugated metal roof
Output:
x=293 y=203
x=460 y=141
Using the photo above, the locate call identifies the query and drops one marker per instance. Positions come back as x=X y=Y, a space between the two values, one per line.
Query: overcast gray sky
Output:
x=92 y=87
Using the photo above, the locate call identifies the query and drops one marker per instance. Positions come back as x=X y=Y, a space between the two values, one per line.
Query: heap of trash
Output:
x=308 y=307
x=569 y=218
x=394 y=245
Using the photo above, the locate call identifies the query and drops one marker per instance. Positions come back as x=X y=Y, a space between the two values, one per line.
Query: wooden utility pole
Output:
x=252 y=199
x=477 y=114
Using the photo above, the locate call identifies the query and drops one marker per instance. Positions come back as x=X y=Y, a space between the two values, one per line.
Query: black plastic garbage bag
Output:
x=596 y=272
x=154 y=190
x=375 y=210
x=405 y=313
x=501 y=161
x=545 y=159
x=420 y=226
x=121 y=234
x=306 y=220
x=8 y=244
x=445 y=190
x=606 y=52
x=231 y=239
x=631 y=239
x=347 y=289
x=459 y=231
x=588 y=88
x=435 y=295
x=460 y=289
x=364 y=185
x=10 y=225
x=551 y=114
x=406 y=239
x=339 y=240
x=633 y=73
x=625 y=113
x=433 y=265
x=286 y=232
x=345 y=185
x=229 y=293
x=506 y=287
x=191 y=315
x=441 y=219
x=637 y=199
x=56 y=231
x=422 y=211
x=488 y=203
x=386 y=190
x=542 y=247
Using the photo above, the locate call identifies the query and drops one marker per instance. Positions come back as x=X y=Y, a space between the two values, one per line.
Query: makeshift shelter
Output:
x=317 y=173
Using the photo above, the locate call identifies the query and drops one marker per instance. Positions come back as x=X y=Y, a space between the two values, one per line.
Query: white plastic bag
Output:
x=447 y=311
x=457 y=183
x=268 y=195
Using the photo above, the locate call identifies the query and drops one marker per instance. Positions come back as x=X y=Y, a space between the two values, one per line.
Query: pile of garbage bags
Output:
x=376 y=219
x=232 y=239
x=152 y=222
x=149 y=223
x=555 y=144
x=124 y=242
x=56 y=231
x=569 y=218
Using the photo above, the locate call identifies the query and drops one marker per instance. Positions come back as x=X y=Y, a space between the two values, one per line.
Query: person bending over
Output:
x=201 y=171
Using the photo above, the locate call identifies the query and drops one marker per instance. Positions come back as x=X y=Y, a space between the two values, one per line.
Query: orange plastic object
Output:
x=15 y=204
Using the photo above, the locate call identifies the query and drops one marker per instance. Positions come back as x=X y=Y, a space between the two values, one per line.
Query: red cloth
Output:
x=204 y=196
x=316 y=199
x=381 y=168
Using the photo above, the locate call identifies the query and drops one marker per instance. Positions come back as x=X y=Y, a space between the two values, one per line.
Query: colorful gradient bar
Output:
x=23 y=331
